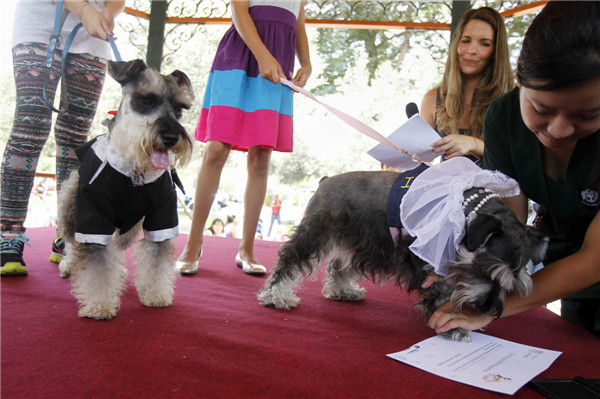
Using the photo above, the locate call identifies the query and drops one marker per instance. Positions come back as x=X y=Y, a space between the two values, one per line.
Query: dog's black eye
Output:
x=145 y=104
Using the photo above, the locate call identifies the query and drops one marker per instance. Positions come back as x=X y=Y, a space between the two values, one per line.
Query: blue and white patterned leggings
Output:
x=33 y=120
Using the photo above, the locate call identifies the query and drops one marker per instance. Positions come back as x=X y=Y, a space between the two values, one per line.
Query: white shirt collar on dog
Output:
x=432 y=209
x=107 y=154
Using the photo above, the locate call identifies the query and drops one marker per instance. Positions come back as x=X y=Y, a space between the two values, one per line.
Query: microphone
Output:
x=411 y=109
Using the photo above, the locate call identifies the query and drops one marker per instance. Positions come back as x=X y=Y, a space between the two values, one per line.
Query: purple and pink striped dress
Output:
x=240 y=107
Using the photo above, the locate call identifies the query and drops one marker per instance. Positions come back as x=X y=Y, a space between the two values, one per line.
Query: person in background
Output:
x=259 y=234
x=84 y=72
x=275 y=205
x=545 y=134
x=477 y=71
x=216 y=229
x=231 y=227
x=246 y=108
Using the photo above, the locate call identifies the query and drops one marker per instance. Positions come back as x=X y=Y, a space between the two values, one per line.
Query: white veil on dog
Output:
x=432 y=208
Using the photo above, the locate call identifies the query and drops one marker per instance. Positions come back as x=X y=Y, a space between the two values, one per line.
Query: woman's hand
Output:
x=302 y=75
x=444 y=320
x=456 y=145
x=269 y=68
x=94 y=22
x=98 y=24
x=430 y=280
x=109 y=20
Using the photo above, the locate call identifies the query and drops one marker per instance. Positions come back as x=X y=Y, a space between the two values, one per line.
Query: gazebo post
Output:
x=156 y=33
x=459 y=7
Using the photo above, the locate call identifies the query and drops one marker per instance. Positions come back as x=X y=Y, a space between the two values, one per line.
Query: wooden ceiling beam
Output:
x=343 y=24
x=525 y=9
x=319 y=23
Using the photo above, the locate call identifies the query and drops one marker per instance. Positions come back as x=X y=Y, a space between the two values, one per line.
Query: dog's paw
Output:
x=344 y=294
x=154 y=302
x=155 y=297
x=277 y=298
x=98 y=312
x=64 y=269
x=458 y=334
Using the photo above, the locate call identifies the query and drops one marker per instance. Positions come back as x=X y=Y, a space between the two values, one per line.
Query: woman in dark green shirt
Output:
x=545 y=134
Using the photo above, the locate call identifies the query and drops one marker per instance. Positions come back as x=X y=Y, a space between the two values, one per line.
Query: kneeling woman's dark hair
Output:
x=562 y=46
x=562 y=49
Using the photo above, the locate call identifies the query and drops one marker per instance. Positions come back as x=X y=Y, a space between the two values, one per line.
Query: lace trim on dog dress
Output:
x=240 y=107
x=432 y=211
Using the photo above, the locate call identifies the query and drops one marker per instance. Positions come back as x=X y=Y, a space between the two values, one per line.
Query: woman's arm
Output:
x=565 y=276
x=555 y=281
x=302 y=51
x=267 y=64
x=111 y=10
x=458 y=145
x=98 y=25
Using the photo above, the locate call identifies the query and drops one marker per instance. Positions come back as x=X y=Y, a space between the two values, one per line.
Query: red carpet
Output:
x=216 y=341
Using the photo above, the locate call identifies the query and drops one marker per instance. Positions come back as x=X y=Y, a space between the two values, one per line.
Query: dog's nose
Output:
x=170 y=139
x=169 y=131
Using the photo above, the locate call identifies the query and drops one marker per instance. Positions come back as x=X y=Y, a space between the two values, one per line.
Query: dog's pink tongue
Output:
x=160 y=159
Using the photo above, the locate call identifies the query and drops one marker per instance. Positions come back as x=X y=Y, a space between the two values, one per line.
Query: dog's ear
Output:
x=183 y=92
x=124 y=71
x=181 y=78
x=479 y=229
x=539 y=244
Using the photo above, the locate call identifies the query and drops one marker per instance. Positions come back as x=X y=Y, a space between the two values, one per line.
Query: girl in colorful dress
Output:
x=245 y=108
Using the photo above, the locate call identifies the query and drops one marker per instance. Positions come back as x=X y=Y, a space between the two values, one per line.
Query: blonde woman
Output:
x=477 y=71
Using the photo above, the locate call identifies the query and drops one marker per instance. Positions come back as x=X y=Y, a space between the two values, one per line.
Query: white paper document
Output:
x=487 y=362
x=414 y=136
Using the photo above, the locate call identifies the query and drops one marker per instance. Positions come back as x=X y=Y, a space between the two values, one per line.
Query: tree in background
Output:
x=339 y=48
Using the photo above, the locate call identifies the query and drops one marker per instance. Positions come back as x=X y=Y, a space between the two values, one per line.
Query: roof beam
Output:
x=525 y=9
x=348 y=24
x=318 y=23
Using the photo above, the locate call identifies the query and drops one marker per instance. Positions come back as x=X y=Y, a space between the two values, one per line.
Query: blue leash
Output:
x=115 y=50
x=59 y=20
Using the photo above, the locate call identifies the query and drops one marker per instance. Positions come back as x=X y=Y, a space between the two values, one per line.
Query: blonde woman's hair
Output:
x=496 y=79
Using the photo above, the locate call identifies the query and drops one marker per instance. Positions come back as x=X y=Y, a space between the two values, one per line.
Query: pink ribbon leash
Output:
x=353 y=122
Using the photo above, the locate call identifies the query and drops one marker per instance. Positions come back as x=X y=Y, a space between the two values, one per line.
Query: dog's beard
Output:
x=481 y=282
x=132 y=127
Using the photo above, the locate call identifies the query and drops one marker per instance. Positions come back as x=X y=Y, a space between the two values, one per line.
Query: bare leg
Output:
x=207 y=184
x=256 y=189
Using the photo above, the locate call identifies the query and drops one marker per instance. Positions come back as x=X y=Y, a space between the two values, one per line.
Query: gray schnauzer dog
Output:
x=347 y=221
x=124 y=185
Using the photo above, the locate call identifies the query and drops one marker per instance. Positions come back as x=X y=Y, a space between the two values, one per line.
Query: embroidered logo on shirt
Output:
x=589 y=197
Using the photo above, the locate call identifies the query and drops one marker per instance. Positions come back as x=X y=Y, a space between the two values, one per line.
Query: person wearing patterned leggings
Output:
x=84 y=74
